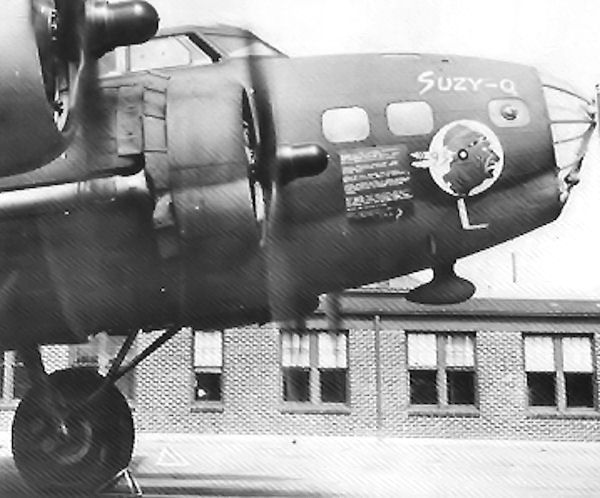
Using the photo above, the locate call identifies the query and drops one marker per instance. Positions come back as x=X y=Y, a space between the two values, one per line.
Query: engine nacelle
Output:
x=46 y=46
x=29 y=134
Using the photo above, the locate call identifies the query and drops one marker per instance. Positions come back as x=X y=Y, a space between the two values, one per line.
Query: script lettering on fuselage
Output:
x=464 y=84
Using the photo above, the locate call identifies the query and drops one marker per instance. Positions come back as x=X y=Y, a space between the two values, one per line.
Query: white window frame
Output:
x=559 y=367
x=210 y=363
x=438 y=361
x=315 y=364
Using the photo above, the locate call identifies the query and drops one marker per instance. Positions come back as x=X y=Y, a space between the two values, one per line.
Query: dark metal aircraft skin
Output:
x=149 y=219
x=238 y=189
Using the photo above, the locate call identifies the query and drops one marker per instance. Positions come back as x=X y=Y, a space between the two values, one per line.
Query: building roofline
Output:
x=389 y=302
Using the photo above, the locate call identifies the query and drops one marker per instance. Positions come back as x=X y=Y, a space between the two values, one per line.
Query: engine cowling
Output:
x=30 y=135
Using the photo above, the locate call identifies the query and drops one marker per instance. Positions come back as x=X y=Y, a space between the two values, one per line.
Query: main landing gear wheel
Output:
x=83 y=447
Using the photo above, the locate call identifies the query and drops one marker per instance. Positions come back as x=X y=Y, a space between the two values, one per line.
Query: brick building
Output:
x=483 y=369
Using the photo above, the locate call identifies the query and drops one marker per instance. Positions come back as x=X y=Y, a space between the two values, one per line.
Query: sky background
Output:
x=561 y=37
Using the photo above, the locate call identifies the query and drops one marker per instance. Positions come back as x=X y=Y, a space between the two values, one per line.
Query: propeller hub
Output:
x=114 y=25
x=300 y=161
x=95 y=27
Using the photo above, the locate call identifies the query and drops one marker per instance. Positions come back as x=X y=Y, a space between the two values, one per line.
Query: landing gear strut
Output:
x=72 y=431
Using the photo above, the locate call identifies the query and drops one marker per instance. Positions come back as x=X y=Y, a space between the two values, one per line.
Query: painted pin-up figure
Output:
x=473 y=159
x=465 y=158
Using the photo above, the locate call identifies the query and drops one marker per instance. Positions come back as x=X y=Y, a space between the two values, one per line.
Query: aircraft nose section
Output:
x=572 y=121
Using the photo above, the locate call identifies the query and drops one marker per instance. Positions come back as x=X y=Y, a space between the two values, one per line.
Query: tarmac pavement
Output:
x=285 y=466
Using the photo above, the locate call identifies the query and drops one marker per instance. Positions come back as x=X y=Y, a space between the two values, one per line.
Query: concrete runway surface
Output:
x=285 y=466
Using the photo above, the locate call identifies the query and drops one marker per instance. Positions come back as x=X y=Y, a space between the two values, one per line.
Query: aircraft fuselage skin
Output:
x=155 y=224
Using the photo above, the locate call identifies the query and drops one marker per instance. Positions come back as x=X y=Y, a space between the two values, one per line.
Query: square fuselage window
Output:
x=407 y=119
x=345 y=124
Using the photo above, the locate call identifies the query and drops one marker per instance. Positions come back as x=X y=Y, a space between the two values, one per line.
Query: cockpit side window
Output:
x=169 y=51
x=241 y=46
x=157 y=53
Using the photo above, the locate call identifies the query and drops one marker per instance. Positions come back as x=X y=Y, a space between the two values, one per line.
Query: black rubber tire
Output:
x=99 y=440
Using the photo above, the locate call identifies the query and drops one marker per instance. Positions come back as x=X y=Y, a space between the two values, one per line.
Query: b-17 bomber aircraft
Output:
x=202 y=178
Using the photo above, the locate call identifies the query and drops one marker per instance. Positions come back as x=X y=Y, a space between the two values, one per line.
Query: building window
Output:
x=314 y=366
x=14 y=380
x=98 y=355
x=441 y=369
x=208 y=365
x=559 y=371
x=345 y=124
x=409 y=118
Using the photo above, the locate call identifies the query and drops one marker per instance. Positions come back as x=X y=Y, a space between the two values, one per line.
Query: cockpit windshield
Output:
x=187 y=46
x=240 y=46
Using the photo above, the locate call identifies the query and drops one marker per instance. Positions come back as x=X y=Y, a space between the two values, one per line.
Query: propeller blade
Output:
x=277 y=271
x=275 y=166
x=266 y=151
x=279 y=275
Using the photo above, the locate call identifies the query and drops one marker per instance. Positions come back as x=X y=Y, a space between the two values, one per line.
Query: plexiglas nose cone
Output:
x=572 y=122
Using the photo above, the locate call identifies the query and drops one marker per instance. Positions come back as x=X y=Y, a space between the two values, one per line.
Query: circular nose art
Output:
x=464 y=158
